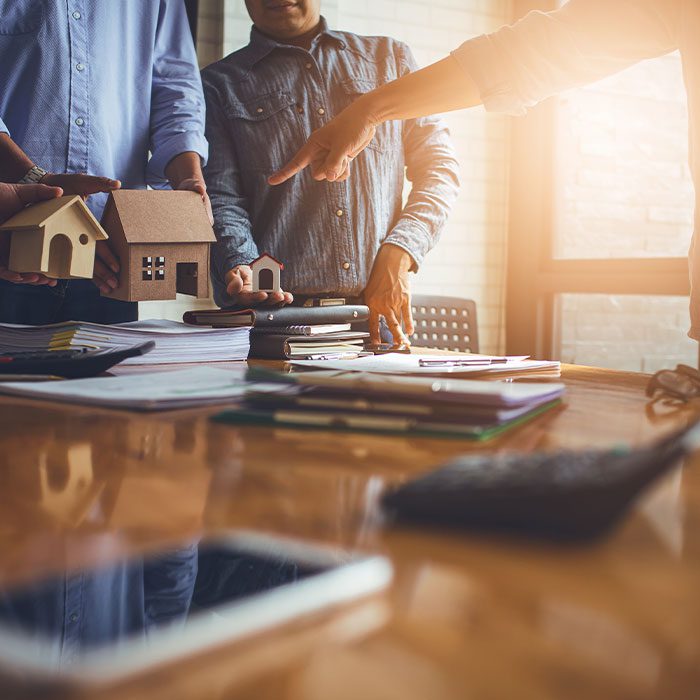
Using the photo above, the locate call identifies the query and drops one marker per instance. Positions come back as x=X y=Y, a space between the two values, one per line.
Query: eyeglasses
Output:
x=682 y=383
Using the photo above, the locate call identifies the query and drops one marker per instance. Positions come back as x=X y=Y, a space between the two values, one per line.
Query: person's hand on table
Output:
x=330 y=149
x=388 y=294
x=80 y=183
x=239 y=287
x=13 y=198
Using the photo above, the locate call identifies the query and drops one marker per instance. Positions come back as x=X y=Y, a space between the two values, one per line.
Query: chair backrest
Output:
x=446 y=323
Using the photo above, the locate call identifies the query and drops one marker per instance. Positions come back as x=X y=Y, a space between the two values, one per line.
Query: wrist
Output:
x=399 y=256
x=369 y=109
x=184 y=166
x=34 y=175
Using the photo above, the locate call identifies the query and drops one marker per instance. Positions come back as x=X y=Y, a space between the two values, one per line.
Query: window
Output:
x=153 y=268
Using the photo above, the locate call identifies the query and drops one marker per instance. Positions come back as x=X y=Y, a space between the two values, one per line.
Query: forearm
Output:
x=433 y=170
x=14 y=162
x=184 y=166
x=441 y=87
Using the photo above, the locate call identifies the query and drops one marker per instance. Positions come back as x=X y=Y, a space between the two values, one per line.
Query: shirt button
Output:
x=339 y=212
x=76 y=15
x=300 y=109
x=308 y=66
x=73 y=618
x=79 y=66
x=79 y=121
x=346 y=266
x=259 y=110
x=321 y=110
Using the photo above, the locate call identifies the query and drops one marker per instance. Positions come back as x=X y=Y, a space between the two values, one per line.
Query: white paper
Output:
x=398 y=363
x=175 y=342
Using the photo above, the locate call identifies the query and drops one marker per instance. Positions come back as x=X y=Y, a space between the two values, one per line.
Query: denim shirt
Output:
x=95 y=86
x=263 y=102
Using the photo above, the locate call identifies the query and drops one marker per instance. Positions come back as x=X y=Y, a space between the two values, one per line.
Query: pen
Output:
x=463 y=362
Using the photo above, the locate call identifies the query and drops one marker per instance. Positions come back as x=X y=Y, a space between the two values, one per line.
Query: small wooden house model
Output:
x=55 y=238
x=162 y=239
x=266 y=274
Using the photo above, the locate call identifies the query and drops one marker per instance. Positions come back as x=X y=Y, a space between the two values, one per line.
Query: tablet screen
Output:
x=112 y=620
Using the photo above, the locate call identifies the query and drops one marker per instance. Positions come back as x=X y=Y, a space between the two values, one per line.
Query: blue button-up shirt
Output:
x=94 y=86
x=262 y=103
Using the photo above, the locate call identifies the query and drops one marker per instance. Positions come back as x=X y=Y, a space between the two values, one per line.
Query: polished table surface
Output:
x=467 y=616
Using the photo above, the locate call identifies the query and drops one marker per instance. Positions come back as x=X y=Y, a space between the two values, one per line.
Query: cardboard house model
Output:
x=56 y=238
x=162 y=239
x=266 y=274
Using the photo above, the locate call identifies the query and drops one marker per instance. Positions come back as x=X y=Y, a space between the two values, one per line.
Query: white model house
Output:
x=266 y=274
x=55 y=238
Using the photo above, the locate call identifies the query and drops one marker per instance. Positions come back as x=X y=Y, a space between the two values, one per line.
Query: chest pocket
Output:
x=264 y=129
x=20 y=16
x=388 y=136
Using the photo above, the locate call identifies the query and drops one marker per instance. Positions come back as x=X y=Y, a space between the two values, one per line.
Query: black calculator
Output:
x=564 y=495
x=69 y=364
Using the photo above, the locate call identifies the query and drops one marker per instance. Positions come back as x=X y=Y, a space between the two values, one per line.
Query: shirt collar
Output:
x=261 y=45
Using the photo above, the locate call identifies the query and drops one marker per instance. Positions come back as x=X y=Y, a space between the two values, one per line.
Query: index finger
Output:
x=374 y=335
x=395 y=328
x=301 y=160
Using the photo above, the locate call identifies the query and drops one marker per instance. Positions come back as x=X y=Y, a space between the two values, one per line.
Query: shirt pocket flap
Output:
x=258 y=108
x=358 y=86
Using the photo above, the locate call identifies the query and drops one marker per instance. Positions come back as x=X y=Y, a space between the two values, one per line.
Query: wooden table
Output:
x=468 y=616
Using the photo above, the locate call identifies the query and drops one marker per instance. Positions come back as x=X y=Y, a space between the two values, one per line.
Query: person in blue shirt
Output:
x=93 y=96
x=353 y=239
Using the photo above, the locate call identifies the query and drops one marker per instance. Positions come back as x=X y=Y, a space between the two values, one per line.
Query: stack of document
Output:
x=293 y=332
x=454 y=364
x=180 y=388
x=175 y=342
x=394 y=404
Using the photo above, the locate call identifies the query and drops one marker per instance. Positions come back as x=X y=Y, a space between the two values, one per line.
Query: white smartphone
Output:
x=104 y=624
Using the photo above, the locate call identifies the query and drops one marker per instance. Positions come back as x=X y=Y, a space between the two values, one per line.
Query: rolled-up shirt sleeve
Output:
x=177 y=101
x=544 y=53
x=232 y=226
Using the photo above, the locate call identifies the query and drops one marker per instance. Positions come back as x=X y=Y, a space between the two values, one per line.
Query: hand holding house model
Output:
x=55 y=238
x=161 y=237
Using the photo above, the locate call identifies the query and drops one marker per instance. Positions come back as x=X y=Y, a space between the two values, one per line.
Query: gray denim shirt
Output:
x=263 y=102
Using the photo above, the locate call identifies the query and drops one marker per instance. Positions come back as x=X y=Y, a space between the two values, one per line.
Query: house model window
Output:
x=153 y=268
x=149 y=227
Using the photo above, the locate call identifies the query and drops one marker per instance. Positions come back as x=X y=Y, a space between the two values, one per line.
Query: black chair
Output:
x=445 y=323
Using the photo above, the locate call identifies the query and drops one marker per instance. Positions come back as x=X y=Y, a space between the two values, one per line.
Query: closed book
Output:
x=267 y=346
x=321 y=329
x=265 y=317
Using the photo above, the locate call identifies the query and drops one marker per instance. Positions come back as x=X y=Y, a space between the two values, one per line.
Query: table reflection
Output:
x=66 y=617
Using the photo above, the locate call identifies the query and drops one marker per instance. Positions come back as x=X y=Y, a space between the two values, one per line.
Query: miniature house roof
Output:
x=267 y=256
x=161 y=216
x=38 y=215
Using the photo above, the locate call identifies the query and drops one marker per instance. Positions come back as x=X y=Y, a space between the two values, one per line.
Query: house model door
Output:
x=266 y=280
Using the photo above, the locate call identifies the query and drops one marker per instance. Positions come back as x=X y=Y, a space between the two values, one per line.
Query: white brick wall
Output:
x=469 y=261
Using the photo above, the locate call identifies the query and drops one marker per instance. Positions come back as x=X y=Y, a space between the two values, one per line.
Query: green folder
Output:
x=373 y=423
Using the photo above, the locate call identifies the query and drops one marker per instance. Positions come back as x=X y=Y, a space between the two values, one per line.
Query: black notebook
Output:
x=265 y=317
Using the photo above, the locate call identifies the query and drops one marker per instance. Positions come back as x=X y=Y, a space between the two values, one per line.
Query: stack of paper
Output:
x=463 y=364
x=395 y=404
x=175 y=342
x=182 y=388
